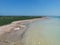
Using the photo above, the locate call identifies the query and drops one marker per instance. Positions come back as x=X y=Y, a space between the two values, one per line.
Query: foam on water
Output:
x=45 y=32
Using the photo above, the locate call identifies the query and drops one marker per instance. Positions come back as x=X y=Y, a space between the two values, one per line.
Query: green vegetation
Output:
x=8 y=19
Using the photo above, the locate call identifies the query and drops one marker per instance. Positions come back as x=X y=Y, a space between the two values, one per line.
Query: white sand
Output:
x=9 y=27
x=7 y=32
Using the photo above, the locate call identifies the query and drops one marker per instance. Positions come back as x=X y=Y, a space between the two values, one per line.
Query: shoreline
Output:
x=8 y=27
x=8 y=33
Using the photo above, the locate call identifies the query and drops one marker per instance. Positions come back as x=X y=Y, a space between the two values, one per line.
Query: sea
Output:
x=43 y=32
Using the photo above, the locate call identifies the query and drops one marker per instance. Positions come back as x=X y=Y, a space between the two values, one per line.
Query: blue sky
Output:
x=30 y=7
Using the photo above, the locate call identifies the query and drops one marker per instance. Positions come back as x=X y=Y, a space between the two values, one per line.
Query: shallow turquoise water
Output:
x=45 y=32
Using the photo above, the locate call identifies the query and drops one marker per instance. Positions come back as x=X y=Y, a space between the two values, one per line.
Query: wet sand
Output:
x=13 y=33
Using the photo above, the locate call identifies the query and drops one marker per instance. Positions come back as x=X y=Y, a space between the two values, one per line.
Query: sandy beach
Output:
x=9 y=32
x=14 y=24
x=38 y=31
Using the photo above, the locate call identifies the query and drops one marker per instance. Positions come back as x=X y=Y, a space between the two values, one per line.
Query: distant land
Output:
x=8 y=19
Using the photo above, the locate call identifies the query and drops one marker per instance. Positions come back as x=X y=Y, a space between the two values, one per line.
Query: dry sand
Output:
x=14 y=30
x=9 y=27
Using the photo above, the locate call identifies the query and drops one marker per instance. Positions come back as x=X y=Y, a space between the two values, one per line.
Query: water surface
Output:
x=43 y=32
